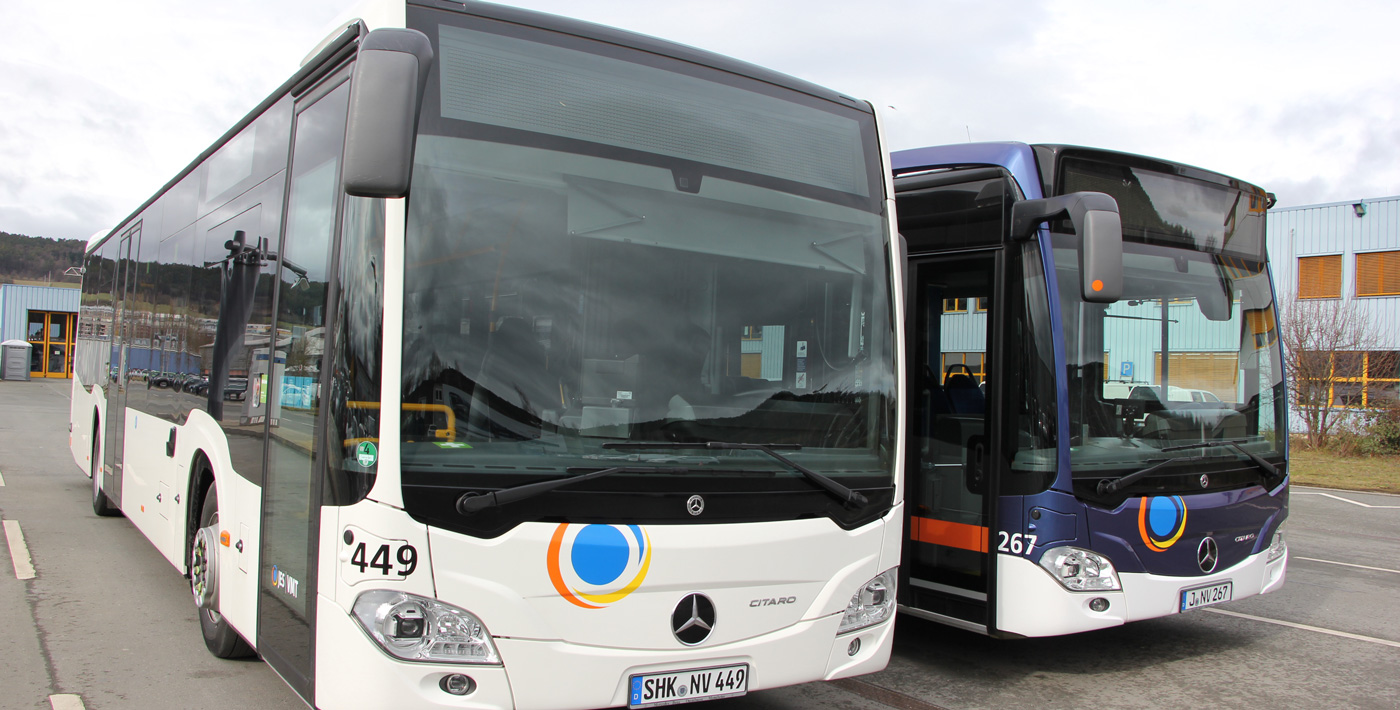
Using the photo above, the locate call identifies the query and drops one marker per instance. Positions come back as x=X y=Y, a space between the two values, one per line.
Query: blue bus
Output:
x=1097 y=414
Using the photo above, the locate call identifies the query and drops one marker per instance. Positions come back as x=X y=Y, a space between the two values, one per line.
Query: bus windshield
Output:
x=1186 y=366
x=608 y=246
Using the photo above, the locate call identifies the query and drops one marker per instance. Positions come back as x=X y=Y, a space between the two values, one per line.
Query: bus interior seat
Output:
x=962 y=391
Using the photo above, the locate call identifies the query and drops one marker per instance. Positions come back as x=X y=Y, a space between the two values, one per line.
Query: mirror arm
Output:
x=1027 y=215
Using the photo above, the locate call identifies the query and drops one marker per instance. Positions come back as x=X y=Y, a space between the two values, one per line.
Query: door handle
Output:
x=170 y=444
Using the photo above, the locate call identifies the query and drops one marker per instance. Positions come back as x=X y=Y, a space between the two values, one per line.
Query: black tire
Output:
x=219 y=637
x=101 y=504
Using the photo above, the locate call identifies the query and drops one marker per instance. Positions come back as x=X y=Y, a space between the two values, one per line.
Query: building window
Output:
x=964 y=364
x=1378 y=274
x=1358 y=379
x=955 y=305
x=1320 y=276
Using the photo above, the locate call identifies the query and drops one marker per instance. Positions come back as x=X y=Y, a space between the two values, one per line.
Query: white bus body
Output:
x=337 y=406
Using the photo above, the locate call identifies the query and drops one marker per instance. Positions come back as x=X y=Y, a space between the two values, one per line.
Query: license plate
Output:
x=649 y=690
x=1205 y=596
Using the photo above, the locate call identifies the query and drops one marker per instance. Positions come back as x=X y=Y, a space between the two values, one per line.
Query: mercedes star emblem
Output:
x=1205 y=481
x=695 y=505
x=693 y=619
x=1207 y=555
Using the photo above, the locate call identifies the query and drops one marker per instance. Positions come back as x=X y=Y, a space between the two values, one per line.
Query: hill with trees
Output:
x=39 y=259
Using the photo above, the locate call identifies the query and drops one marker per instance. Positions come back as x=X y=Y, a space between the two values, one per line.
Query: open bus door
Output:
x=951 y=470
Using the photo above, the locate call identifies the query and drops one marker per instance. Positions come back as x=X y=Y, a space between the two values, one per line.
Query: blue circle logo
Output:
x=1161 y=521
x=593 y=566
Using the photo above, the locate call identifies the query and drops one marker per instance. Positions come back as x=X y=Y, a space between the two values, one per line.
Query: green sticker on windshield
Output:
x=366 y=454
x=452 y=445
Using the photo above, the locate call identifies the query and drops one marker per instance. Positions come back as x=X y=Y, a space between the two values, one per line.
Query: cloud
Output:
x=104 y=105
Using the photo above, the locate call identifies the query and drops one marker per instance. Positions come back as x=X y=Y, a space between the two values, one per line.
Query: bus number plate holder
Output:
x=649 y=690
x=1197 y=597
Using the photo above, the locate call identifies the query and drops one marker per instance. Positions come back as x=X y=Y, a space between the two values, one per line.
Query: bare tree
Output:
x=1327 y=344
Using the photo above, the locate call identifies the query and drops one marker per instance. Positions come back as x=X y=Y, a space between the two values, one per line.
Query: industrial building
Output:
x=1345 y=252
x=45 y=317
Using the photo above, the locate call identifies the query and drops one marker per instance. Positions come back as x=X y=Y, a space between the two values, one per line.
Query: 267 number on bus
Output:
x=1016 y=544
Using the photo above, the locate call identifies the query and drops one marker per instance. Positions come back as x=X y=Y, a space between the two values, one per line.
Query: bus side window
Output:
x=356 y=342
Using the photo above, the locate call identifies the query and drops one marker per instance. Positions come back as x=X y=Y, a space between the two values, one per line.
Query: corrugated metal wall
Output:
x=17 y=301
x=1335 y=228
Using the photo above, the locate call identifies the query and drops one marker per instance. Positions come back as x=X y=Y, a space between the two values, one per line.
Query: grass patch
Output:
x=1354 y=473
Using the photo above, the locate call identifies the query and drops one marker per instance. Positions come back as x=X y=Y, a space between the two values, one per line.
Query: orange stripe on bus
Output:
x=949 y=534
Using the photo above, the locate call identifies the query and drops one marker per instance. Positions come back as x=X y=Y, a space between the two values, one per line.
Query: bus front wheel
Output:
x=101 y=504
x=219 y=637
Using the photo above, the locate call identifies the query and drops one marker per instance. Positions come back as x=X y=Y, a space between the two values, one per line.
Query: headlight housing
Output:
x=416 y=628
x=872 y=604
x=1278 y=548
x=1080 y=570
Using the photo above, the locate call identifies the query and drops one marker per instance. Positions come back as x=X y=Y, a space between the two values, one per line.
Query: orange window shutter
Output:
x=1320 y=276
x=1378 y=274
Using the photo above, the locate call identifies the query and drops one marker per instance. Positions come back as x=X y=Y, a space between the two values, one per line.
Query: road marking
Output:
x=1346 y=564
x=1346 y=500
x=19 y=554
x=1305 y=627
x=66 y=702
x=2 y=480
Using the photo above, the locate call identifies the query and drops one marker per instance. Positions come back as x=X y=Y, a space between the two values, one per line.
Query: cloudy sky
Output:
x=102 y=102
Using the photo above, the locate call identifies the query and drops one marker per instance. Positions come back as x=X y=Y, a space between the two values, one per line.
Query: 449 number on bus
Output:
x=406 y=557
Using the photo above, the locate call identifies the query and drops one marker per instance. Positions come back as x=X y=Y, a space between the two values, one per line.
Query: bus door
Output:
x=122 y=287
x=287 y=384
x=950 y=462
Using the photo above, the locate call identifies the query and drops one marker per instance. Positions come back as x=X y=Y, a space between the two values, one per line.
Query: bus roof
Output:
x=1031 y=164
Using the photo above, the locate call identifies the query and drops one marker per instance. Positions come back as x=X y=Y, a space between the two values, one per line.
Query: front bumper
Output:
x=1031 y=603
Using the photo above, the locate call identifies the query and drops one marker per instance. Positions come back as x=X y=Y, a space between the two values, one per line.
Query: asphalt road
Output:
x=105 y=622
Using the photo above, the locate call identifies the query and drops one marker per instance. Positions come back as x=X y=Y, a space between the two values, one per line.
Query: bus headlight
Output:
x=1278 y=548
x=872 y=604
x=1080 y=570
x=416 y=628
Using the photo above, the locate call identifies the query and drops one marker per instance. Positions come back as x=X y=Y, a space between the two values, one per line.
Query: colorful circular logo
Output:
x=1161 y=521
x=593 y=566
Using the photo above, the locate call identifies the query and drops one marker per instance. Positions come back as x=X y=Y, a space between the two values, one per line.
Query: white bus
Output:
x=503 y=360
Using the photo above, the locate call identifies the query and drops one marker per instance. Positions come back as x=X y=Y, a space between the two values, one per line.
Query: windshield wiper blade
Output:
x=851 y=498
x=1237 y=445
x=471 y=503
x=1107 y=486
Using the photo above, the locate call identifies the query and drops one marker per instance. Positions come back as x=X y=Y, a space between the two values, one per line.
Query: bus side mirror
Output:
x=386 y=93
x=1094 y=217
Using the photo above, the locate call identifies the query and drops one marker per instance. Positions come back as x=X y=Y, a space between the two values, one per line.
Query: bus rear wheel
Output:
x=101 y=504
x=219 y=637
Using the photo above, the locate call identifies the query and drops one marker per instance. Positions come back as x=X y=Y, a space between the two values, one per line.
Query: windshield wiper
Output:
x=1107 y=486
x=852 y=498
x=471 y=503
x=1237 y=445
